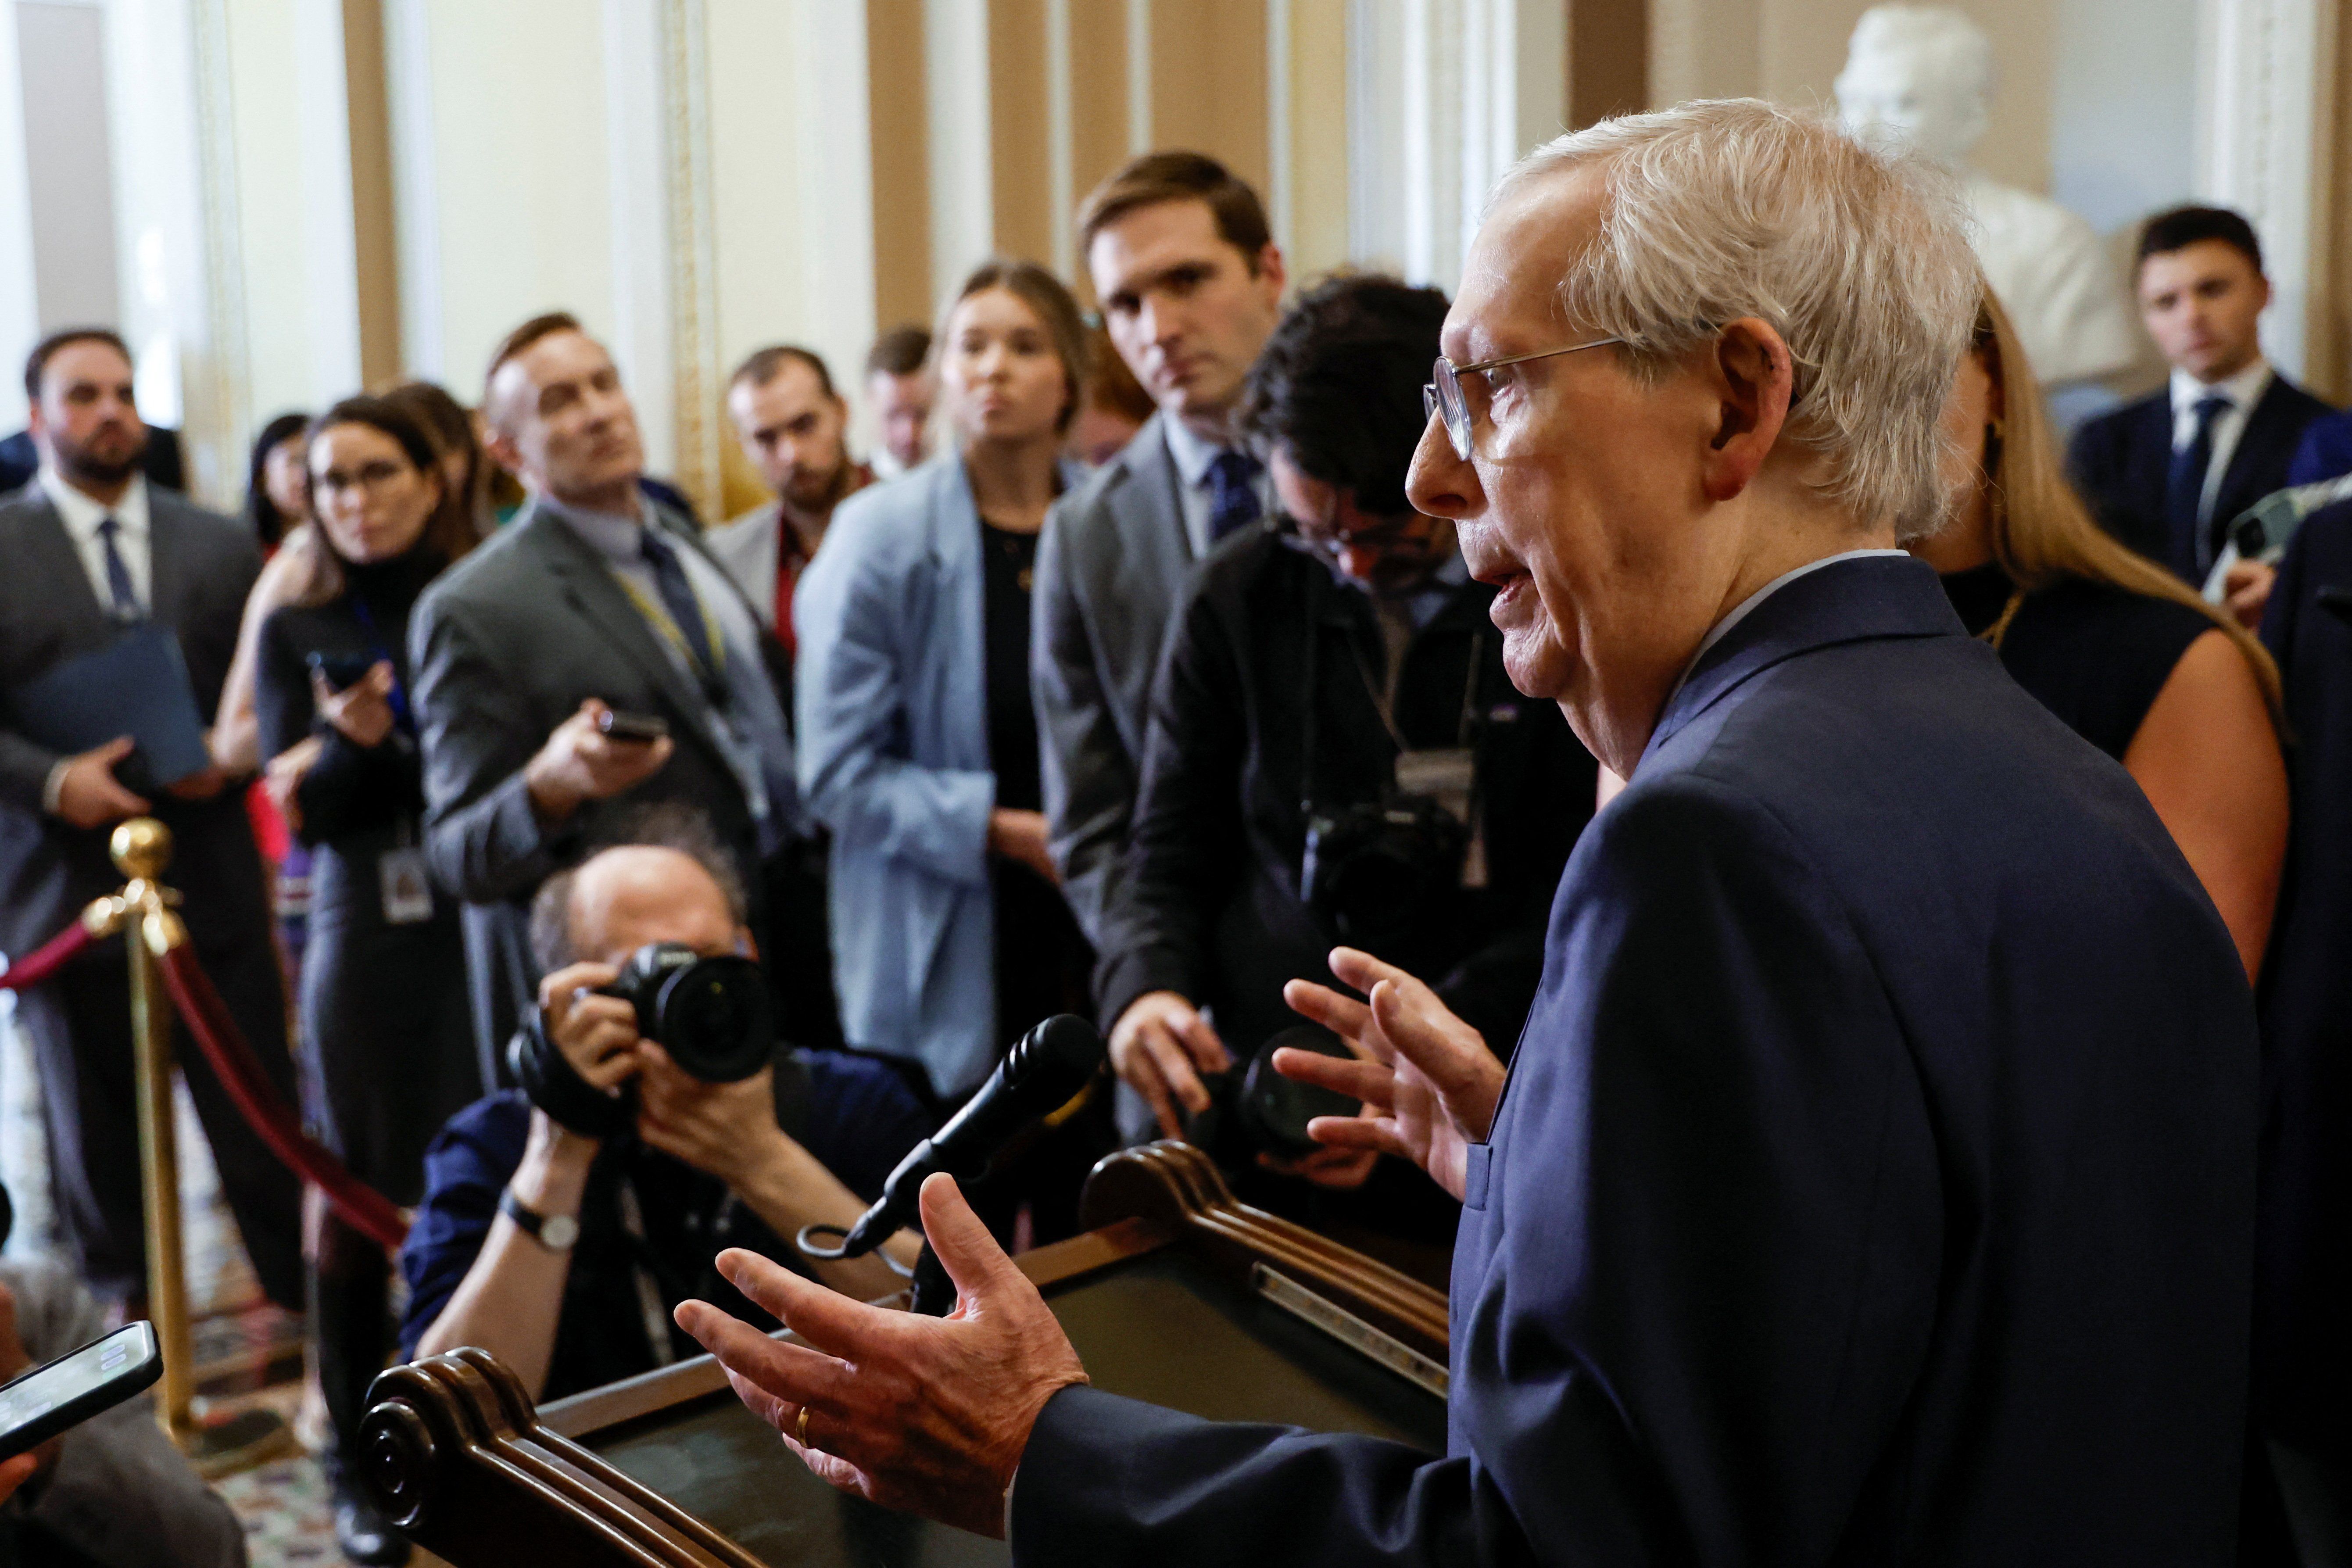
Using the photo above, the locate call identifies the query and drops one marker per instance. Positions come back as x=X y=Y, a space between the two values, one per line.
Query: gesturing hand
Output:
x=361 y=711
x=1431 y=1082
x=579 y=764
x=927 y=1415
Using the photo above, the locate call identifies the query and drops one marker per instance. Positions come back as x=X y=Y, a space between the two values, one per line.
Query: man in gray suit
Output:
x=593 y=602
x=93 y=549
x=794 y=429
x=1190 y=284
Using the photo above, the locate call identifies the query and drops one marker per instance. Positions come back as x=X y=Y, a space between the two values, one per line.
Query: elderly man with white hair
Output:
x=1874 y=1180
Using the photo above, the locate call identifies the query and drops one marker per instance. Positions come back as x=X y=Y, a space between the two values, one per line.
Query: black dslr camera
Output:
x=712 y=1015
x=1377 y=873
x=1254 y=1109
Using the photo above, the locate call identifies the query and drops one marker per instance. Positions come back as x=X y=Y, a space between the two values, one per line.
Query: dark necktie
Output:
x=2184 y=486
x=1233 y=493
x=126 y=605
x=685 y=609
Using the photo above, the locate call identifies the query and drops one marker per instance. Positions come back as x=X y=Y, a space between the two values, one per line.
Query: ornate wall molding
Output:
x=215 y=378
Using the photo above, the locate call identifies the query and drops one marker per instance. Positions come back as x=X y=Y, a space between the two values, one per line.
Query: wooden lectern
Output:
x=1176 y=1294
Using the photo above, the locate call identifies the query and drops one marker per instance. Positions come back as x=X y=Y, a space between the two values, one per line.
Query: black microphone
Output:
x=1043 y=1071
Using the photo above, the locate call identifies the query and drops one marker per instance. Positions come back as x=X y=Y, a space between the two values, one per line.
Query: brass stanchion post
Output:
x=141 y=848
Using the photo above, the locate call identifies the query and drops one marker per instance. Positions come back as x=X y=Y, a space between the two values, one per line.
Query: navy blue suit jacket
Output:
x=2120 y=461
x=1873 y=1183
x=2303 y=1353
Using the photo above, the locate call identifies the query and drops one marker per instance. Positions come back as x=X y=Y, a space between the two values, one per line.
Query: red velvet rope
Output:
x=257 y=1099
x=46 y=959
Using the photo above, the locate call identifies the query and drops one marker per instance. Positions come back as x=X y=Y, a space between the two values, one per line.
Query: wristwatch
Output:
x=555 y=1232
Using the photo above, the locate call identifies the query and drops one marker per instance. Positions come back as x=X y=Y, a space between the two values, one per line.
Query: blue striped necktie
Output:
x=126 y=605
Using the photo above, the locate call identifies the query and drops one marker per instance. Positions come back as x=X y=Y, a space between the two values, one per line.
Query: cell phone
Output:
x=644 y=728
x=340 y=670
x=60 y=1395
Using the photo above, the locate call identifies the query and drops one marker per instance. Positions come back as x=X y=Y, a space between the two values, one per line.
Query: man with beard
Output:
x=793 y=427
x=94 y=549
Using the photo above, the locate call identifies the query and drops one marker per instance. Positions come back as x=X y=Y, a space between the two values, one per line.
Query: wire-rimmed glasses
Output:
x=1444 y=399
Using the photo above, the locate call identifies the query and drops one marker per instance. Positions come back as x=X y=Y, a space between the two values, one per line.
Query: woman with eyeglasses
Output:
x=918 y=745
x=2117 y=646
x=386 y=1037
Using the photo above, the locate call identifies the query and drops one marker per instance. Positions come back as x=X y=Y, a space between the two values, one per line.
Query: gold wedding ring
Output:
x=800 y=1427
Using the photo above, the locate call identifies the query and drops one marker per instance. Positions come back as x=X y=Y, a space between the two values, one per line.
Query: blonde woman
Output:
x=2128 y=656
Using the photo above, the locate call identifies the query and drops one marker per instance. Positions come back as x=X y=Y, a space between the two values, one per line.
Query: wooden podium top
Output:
x=1177 y=1294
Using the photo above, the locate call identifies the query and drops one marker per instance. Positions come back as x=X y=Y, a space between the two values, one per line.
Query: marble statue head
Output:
x=1921 y=75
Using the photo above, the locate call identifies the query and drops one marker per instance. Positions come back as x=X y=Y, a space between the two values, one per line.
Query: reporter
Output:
x=809 y=1140
x=385 y=1035
x=2119 y=648
x=1315 y=677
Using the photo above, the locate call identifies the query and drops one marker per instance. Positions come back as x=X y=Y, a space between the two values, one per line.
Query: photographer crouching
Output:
x=661 y=1122
x=1335 y=756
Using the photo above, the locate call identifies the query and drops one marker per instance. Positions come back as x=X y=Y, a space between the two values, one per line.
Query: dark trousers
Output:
x=80 y=1023
x=351 y=1324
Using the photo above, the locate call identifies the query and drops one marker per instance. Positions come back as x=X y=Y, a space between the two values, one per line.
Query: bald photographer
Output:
x=660 y=1121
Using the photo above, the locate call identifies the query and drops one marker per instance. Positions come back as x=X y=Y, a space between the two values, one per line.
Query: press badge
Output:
x=1449 y=776
x=407 y=886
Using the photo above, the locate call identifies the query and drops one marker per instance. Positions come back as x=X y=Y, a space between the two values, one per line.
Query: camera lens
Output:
x=1275 y=1109
x=715 y=1019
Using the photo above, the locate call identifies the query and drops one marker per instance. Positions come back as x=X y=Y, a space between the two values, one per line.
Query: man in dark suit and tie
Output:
x=93 y=549
x=2168 y=474
x=1873 y=1180
x=594 y=600
x=1190 y=283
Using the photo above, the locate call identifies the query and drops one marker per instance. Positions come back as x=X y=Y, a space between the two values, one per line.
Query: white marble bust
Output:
x=1924 y=75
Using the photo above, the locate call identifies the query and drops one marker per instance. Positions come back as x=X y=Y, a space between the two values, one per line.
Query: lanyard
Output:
x=712 y=681
x=399 y=698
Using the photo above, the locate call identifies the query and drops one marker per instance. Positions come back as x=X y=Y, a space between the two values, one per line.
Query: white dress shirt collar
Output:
x=81 y=515
x=2243 y=390
x=1193 y=456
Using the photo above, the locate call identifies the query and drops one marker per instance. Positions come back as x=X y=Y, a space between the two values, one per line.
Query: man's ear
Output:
x=1752 y=375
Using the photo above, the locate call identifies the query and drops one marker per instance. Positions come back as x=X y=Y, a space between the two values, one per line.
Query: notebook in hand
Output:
x=136 y=686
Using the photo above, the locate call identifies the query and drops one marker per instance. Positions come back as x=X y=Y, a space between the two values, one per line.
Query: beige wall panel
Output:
x=376 y=244
x=1098 y=108
x=902 y=185
x=1208 y=81
x=267 y=131
x=1803 y=45
x=1703 y=48
x=1319 y=136
x=1021 y=158
x=523 y=176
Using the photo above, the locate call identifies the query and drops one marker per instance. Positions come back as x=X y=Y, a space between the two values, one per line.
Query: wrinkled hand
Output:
x=281 y=779
x=579 y=764
x=2246 y=589
x=597 y=1035
x=724 y=1128
x=361 y=711
x=1430 y=1084
x=87 y=793
x=927 y=1415
x=1159 y=1048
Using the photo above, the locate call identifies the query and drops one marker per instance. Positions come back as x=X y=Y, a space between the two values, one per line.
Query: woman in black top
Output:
x=387 y=1044
x=2130 y=659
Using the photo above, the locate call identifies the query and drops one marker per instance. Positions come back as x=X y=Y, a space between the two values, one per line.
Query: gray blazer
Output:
x=204 y=566
x=1111 y=569
x=746 y=547
x=506 y=646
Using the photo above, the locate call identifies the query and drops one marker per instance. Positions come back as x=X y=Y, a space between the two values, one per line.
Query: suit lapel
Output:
x=50 y=559
x=2263 y=446
x=585 y=579
x=167 y=575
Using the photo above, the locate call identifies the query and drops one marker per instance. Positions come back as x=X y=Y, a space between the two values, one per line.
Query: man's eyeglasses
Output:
x=1446 y=399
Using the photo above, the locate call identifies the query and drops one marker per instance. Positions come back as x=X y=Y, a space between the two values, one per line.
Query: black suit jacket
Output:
x=505 y=647
x=204 y=566
x=2304 y=1352
x=2120 y=461
x=1873 y=1183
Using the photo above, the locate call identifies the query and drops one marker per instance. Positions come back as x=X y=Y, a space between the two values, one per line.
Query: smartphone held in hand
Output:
x=61 y=1395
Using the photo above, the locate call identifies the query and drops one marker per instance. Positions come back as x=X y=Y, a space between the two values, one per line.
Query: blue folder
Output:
x=136 y=686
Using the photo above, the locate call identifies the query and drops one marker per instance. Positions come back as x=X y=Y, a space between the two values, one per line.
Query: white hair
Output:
x=1859 y=258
